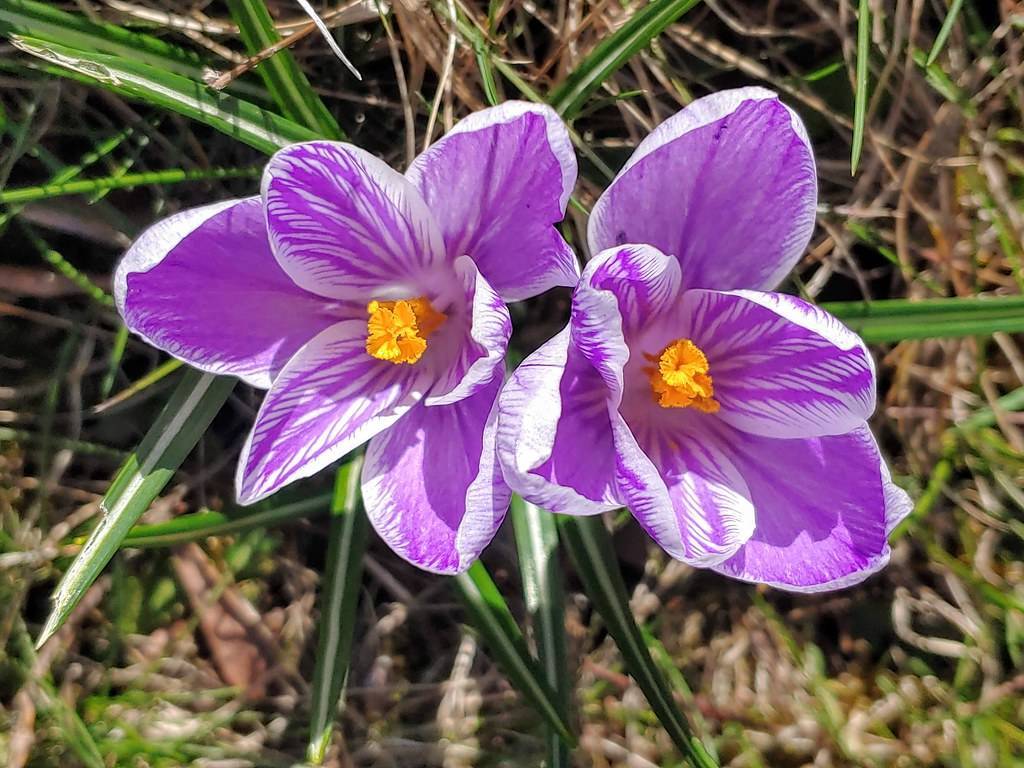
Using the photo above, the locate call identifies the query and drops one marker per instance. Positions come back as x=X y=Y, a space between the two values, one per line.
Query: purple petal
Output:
x=203 y=286
x=497 y=183
x=345 y=225
x=781 y=367
x=824 y=507
x=330 y=398
x=683 y=490
x=470 y=346
x=727 y=185
x=554 y=434
x=623 y=293
x=432 y=486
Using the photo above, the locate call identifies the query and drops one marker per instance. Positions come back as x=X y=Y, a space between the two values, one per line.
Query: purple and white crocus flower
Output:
x=372 y=306
x=731 y=421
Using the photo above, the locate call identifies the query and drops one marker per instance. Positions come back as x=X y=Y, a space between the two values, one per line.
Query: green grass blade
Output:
x=613 y=52
x=199 y=525
x=537 y=546
x=239 y=119
x=900 y=319
x=285 y=81
x=590 y=546
x=490 y=616
x=944 y=31
x=338 y=601
x=176 y=431
x=124 y=181
x=860 y=104
x=43 y=21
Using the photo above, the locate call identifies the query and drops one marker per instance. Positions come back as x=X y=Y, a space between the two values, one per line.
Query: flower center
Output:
x=680 y=379
x=397 y=331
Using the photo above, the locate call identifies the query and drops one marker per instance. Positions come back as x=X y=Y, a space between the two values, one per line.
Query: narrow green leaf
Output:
x=199 y=525
x=491 y=618
x=860 y=104
x=338 y=600
x=901 y=319
x=285 y=81
x=44 y=21
x=239 y=119
x=590 y=546
x=192 y=407
x=646 y=24
x=124 y=181
x=944 y=31
x=537 y=546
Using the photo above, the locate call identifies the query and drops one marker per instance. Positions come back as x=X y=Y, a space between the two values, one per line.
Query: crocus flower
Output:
x=372 y=305
x=729 y=420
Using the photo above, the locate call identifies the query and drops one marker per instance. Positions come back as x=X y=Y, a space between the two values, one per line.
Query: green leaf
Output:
x=175 y=433
x=860 y=104
x=944 y=31
x=338 y=600
x=126 y=180
x=285 y=81
x=239 y=119
x=590 y=546
x=902 y=319
x=491 y=618
x=43 y=21
x=537 y=546
x=199 y=525
x=613 y=52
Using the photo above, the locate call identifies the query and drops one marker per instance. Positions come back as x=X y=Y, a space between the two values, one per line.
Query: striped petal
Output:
x=682 y=487
x=471 y=344
x=497 y=184
x=345 y=225
x=203 y=285
x=624 y=294
x=330 y=398
x=553 y=411
x=727 y=185
x=824 y=507
x=781 y=367
x=432 y=486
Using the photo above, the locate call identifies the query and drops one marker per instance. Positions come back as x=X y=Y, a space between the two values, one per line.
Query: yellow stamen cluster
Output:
x=397 y=331
x=681 y=378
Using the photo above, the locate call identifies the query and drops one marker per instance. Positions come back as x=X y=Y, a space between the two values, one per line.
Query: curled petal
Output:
x=824 y=507
x=345 y=225
x=330 y=398
x=727 y=185
x=684 y=490
x=623 y=292
x=472 y=342
x=203 y=285
x=553 y=413
x=497 y=184
x=782 y=367
x=432 y=486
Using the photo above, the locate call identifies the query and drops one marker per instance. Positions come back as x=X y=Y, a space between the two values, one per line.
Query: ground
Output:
x=203 y=651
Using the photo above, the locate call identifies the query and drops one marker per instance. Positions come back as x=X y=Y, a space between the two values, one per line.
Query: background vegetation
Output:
x=198 y=642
